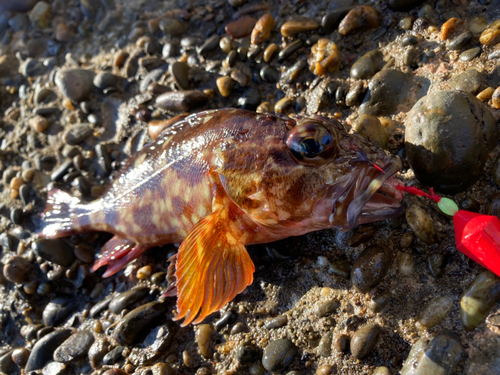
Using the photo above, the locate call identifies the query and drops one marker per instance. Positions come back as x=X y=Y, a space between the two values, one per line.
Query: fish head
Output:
x=309 y=173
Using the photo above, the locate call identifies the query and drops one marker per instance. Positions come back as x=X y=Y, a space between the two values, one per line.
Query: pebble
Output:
x=241 y=28
x=371 y=128
x=44 y=95
x=97 y=351
x=127 y=298
x=370 y=268
x=450 y=26
x=411 y=57
x=486 y=94
x=409 y=40
x=144 y=272
x=439 y=356
x=380 y=301
x=364 y=340
x=386 y=91
x=278 y=354
x=238 y=328
x=421 y=222
x=478 y=299
x=495 y=98
x=470 y=54
x=57 y=251
x=19 y=22
x=16 y=214
x=240 y=77
x=172 y=26
x=489 y=36
x=286 y=52
x=63 y=33
x=299 y=25
x=6 y=362
x=270 y=52
x=278 y=322
x=448 y=136
x=75 y=346
x=434 y=312
x=247 y=353
x=270 y=74
x=117 y=371
x=40 y=15
x=403 y=5
x=77 y=134
x=405 y=263
x=250 y=99
x=325 y=344
x=113 y=356
x=355 y=94
x=105 y=80
x=229 y=317
x=20 y=356
x=331 y=21
x=324 y=57
x=43 y=350
x=362 y=17
x=381 y=370
x=139 y=322
x=469 y=81
x=327 y=308
x=57 y=310
x=367 y=65
x=17 y=269
x=180 y=72
x=209 y=45
x=460 y=41
x=184 y=101
x=75 y=84
x=61 y=171
x=203 y=339
x=284 y=105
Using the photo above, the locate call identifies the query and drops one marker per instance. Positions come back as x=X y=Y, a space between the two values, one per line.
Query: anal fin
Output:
x=212 y=267
x=117 y=253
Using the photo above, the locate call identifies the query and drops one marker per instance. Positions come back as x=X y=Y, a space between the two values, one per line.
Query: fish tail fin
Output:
x=64 y=215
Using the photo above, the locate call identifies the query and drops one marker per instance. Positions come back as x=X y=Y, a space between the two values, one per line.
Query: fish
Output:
x=218 y=180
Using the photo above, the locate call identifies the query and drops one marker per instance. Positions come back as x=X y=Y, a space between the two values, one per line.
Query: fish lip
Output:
x=380 y=199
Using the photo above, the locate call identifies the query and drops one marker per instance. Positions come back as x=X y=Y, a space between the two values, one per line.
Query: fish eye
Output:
x=311 y=143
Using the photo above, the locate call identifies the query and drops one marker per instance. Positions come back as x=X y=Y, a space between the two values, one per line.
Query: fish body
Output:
x=221 y=179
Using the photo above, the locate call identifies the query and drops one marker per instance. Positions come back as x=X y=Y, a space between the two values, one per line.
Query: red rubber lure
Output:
x=476 y=235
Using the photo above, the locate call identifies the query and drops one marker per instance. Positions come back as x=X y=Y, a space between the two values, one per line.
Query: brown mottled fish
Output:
x=221 y=179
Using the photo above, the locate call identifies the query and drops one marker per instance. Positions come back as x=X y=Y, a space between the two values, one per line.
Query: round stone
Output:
x=364 y=340
x=75 y=84
x=278 y=354
x=448 y=137
x=370 y=268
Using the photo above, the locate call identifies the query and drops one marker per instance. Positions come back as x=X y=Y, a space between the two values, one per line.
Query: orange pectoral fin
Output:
x=213 y=266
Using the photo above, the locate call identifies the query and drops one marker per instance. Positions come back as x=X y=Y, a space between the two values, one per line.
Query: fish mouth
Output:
x=381 y=199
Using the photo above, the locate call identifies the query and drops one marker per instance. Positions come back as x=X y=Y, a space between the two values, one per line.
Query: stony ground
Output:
x=82 y=82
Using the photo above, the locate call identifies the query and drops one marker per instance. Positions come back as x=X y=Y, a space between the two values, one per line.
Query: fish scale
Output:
x=221 y=179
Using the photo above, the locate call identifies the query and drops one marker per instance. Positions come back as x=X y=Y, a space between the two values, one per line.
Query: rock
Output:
x=106 y=80
x=324 y=57
x=16 y=6
x=325 y=344
x=127 y=298
x=403 y=5
x=9 y=65
x=331 y=21
x=250 y=99
x=74 y=347
x=262 y=29
x=203 y=339
x=299 y=25
x=209 y=45
x=225 y=85
x=478 y=298
x=241 y=28
x=6 y=363
x=139 y=322
x=371 y=128
x=43 y=350
x=97 y=351
x=77 y=134
x=113 y=356
x=57 y=251
x=386 y=91
x=63 y=33
x=247 y=353
x=435 y=311
x=420 y=222
x=19 y=22
x=405 y=263
x=40 y=15
x=367 y=65
x=448 y=137
x=286 y=52
x=20 y=356
x=172 y=26
x=411 y=57
x=470 y=54
x=278 y=322
x=270 y=74
x=182 y=100
x=469 y=81
x=460 y=41
x=438 y=357
x=380 y=301
x=278 y=354
x=363 y=17
x=364 y=340
x=180 y=72
x=341 y=342
x=75 y=84
x=327 y=308
x=17 y=269
x=370 y=268
x=57 y=311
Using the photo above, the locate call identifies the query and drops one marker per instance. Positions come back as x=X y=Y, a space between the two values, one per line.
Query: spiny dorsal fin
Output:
x=213 y=266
